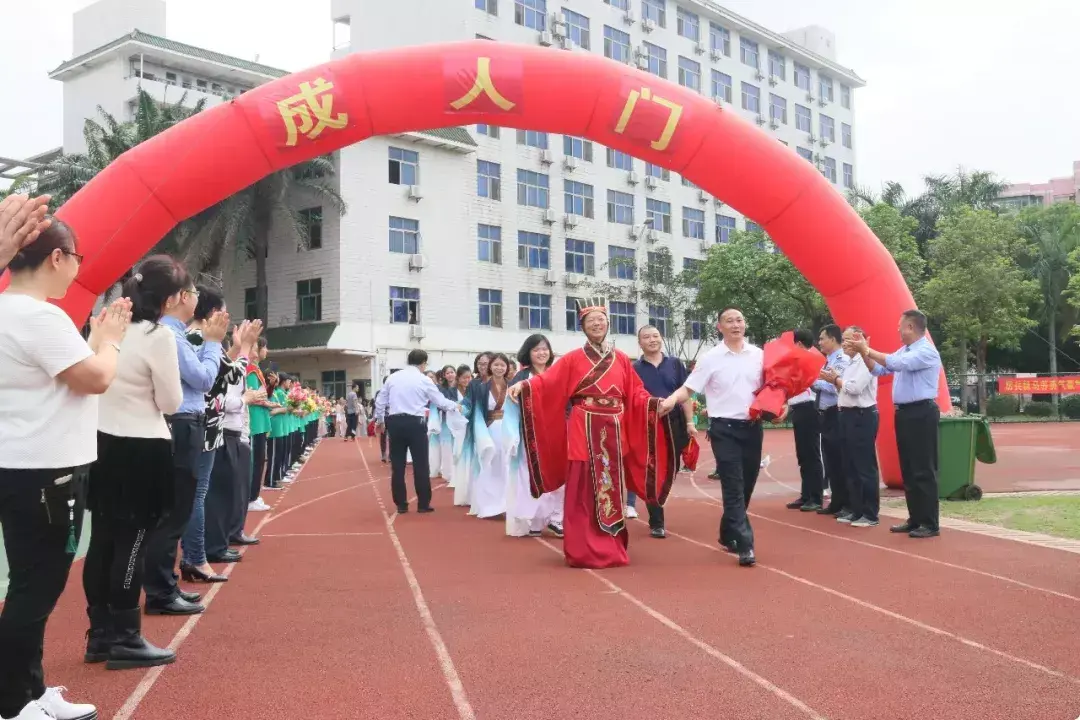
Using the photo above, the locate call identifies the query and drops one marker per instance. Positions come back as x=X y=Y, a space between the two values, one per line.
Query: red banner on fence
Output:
x=1041 y=385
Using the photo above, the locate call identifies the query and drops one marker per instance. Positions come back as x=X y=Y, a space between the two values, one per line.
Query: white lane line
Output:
x=698 y=643
x=446 y=663
x=278 y=516
x=897 y=616
x=322 y=535
x=914 y=556
x=127 y=710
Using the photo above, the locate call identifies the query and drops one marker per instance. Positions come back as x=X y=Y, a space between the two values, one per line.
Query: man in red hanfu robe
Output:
x=612 y=439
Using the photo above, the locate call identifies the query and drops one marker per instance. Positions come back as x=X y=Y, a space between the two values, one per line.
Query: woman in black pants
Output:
x=131 y=484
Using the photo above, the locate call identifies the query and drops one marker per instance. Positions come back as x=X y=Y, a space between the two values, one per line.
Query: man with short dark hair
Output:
x=807 y=426
x=830 y=342
x=917 y=370
x=352 y=411
x=401 y=407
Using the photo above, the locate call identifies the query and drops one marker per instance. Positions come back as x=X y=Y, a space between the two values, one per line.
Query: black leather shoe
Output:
x=747 y=559
x=428 y=509
x=128 y=649
x=659 y=533
x=178 y=606
x=229 y=556
x=97 y=637
x=244 y=540
x=830 y=509
x=728 y=547
x=796 y=504
x=903 y=528
x=924 y=532
x=191 y=597
x=402 y=509
x=810 y=507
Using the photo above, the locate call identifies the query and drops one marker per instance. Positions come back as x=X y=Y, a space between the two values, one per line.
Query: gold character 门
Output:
x=674 y=113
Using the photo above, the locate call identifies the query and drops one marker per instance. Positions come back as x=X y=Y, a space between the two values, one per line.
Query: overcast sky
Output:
x=949 y=82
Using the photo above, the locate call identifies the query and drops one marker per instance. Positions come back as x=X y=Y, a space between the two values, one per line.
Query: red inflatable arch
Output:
x=140 y=197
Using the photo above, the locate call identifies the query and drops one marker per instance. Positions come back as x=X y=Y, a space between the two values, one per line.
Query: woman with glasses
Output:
x=50 y=380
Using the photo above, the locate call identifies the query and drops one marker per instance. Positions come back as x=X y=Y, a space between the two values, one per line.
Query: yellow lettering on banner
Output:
x=310 y=111
x=674 y=114
x=483 y=86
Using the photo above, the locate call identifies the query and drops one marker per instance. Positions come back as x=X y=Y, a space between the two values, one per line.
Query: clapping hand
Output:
x=859 y=343
x=216 y=326
x=828 y=375
x=22 y=219
x=110 y=324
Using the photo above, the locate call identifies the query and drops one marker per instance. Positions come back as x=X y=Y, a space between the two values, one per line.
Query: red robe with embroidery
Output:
x=613 y=440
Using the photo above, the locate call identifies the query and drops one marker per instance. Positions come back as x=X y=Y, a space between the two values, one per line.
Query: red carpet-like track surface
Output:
x=348 y=611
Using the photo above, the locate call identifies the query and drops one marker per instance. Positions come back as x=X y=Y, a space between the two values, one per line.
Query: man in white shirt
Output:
x=401 y=406
x=858 y=434
x=730 y=375
x=807 y=426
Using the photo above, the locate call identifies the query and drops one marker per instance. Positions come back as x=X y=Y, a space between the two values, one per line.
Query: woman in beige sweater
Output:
x=131 y=482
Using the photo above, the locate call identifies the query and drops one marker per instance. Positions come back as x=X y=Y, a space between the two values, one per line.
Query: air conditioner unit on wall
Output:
x=570 y=162
x=416 y=332
x=415 y=193
x=552 y=277
x=549 y=216
x=650 y=182
x=570 y=220
x=417 y=262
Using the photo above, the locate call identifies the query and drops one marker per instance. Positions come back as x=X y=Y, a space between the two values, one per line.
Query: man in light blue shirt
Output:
x=401 y=406
x=829 y=341
x=916 y=370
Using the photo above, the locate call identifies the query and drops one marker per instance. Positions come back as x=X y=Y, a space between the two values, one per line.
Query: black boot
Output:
x=97 y=637
x=128 y=648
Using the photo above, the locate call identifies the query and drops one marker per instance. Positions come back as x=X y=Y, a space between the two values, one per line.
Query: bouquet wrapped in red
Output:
x=691 y=453
x=789 y=370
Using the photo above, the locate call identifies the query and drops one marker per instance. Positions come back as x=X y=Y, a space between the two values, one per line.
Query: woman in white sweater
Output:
x=131 y=482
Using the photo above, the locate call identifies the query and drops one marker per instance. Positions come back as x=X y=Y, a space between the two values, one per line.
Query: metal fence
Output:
x=1018 y=397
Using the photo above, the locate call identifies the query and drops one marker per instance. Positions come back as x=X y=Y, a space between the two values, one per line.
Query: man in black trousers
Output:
x=803 y=412
x=401 y=406
x=830 y=341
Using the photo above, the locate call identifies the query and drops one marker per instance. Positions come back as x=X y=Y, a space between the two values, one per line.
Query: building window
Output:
x=724 y=225
x=577 y=147
x=802 y=77
x=751 y=98
x=849 y=175
x=748 y=52
x=534 y=311
x=687 y=24
x=251 y=303
x=777 y=65
x=533 y=138
x=693 y=223
x=660 y=173
x=654 y=10
x=659 y=266
x=311 y=220
x=489 y=244
x=687 y=183
x=578 y=198
x=620 y=207
x=845 y=97
x=845 y=135
x=828 y=128
x=532 y=189
x=621 y=4
x=572 y=322
x=721 y=86
x=404 y=235
x=491 y=7
x=333 y=383
x=691 y=265
x=825 y=87
x=404 y=305
x=619 y=160
x=531 y=14
x=752 y=226
x=622 y=264
x=577 y=28
x=309 y=300
x=404 y=167
x=657 y=60
x=488 y=180
x=660 y=213
x=778 y=109
x=623 y=318
x=580 y=256
x=805 y=153
x=491 y=131
x=490 y=308
x=690 y=74
x=616 y=44
x=802 y=119
x=719 y=39
x=828 y=169
x=534 y=250
x=659 y=317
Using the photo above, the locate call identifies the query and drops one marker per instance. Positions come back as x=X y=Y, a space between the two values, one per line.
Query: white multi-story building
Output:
x=469 y=239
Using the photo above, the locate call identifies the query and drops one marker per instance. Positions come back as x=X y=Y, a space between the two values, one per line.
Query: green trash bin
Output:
x=961 y=441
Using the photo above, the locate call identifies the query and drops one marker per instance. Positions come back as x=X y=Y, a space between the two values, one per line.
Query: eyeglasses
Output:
x=193 y=292
x=71 y=253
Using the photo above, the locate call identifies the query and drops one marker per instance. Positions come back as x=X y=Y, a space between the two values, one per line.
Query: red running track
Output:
x=346 y=612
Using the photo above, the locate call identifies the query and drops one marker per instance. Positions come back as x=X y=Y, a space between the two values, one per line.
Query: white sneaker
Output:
x=766 y=461
x=631 y=512
x=257 y=505
x=34 y=711
x=56 y=706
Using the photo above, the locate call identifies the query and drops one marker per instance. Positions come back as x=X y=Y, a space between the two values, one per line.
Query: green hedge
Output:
x=1001 y=406
x=1039 y=408
x=1070 y=407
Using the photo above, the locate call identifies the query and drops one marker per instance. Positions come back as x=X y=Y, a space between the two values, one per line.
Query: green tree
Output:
x=1053 y=234
x=669 y=296
x=897 y=233
x=977 y=288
